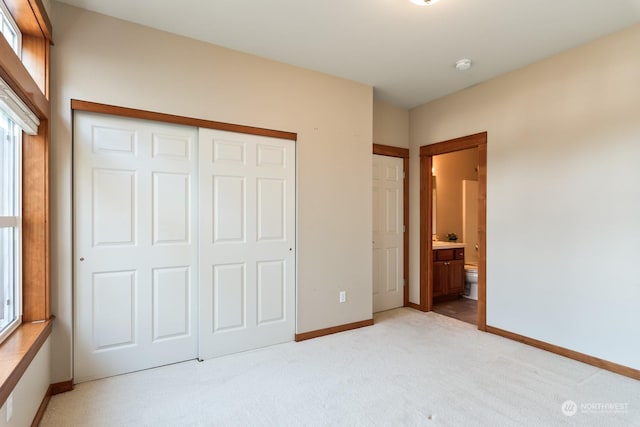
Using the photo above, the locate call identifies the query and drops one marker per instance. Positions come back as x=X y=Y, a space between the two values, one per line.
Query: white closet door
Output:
x=388 y=232
x=247 y=237
x=135 y=245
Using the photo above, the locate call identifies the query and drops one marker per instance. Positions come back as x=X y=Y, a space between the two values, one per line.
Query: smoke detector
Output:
x=424 y=2
x=463 y=64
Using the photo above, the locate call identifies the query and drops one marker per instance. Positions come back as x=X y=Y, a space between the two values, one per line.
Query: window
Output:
x=15 y=118
x=10 y=194
x=10 y=236
x=25 y=234
x=9 y=29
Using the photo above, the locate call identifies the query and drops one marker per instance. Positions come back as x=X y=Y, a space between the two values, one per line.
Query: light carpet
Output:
x=409 y=369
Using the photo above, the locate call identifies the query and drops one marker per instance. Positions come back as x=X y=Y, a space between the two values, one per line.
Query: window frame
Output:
x=7 y=17
x=15 y=222
x=28 y=76
x=28 y=79
x=15 y=116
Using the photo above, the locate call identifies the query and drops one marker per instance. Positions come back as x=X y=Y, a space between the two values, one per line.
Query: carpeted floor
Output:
x=409 y=369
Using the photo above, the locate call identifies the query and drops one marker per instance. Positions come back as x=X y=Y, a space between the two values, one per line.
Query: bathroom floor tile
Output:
x=463 y=309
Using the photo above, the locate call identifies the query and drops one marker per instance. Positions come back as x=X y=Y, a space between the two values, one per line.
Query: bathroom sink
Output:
x=447 y=245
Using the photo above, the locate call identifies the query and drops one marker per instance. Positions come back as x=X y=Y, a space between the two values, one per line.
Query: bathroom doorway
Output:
x=429 y=184
x=455 y=234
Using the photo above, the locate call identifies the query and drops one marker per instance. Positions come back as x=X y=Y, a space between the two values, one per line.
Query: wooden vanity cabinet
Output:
x=448 y=272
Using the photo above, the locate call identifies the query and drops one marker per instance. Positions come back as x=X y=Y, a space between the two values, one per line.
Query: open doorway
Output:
x=455 y=235
x=448 y=259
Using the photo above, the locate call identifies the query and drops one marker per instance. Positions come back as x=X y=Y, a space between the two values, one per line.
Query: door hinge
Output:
x=404 y=228
x=403 y=175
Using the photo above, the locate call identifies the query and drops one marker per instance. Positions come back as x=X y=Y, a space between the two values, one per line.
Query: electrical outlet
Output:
x=9 y=407
x=343 y=296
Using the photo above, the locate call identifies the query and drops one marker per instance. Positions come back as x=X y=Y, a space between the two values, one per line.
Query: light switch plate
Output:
x=343 y=296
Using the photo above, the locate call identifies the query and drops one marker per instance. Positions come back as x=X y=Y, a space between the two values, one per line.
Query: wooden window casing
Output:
x=28 y=76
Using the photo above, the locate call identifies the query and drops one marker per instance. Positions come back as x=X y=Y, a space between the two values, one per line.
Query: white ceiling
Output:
x=406 y=52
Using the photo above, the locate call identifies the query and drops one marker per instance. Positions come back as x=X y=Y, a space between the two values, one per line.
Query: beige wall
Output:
x=563 y=196
x=47 y=6
x=30 y=390
x=390 y=124
x=101 y=59
x=450 y=170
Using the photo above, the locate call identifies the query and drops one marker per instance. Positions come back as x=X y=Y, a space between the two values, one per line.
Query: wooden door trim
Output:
x=479 y=141
x=94 y=107
x=403 y=153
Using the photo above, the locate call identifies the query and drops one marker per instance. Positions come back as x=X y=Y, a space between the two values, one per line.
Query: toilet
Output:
x=470 y=281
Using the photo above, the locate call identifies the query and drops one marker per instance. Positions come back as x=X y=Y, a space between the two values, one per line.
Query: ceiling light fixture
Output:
x=424 y=2
x=463 y=64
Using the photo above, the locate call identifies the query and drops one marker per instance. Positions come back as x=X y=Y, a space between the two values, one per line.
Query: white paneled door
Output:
x=388 y=233
x=135 y=245
x=247 y=242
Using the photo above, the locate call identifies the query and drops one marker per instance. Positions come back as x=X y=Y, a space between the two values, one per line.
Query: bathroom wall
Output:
x=450 y=169
x=470 y=221
x=563 y=194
